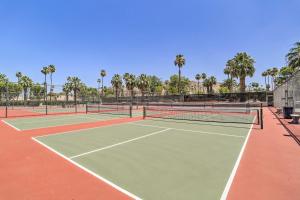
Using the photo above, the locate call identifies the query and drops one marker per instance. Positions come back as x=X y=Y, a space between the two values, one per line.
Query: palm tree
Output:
x=180 y=62
x=26 y=84
x=293 y=57
x=254 y=85
x=203 y=77
x=166 y=86
x=229 y=83
x=102 y=74
x=230 y=72
x=227 y=72
x=265 y=74
x=45 y=71
x=243 y=67
x=143 y=84
x=126 y=75
x=75 y=84
x=51 y=69
x=130 y=83
x=99 y=81
x=206 y=84
x=18 y=75
x=67 y=89
x=116 y=82
x=3 y=84
x=212 y=82
x=198 y=77
x=269 y=72
x=286 y=72
x=273 y=73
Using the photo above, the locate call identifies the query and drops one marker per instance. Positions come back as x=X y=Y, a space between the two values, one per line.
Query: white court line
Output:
x=5 y=122
x=120 y=143
x=103 y=116
x=34 y=122
x=236 y=165
x=90 y=172
x=93 y=118
x=45 y=119
x=187 y=130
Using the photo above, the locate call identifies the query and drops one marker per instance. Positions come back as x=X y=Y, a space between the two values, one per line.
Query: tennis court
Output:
x=56 y=120
x=91 y=115
x=157 y=158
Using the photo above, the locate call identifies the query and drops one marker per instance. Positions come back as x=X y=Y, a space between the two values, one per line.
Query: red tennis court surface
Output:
x=269 y=168
x=293 y=129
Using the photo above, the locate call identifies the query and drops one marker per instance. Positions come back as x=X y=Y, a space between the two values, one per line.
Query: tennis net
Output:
x=111 y=109
x=209 y=113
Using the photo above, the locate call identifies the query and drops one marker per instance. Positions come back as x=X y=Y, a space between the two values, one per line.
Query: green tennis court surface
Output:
x=157 y=159
x=59 y=120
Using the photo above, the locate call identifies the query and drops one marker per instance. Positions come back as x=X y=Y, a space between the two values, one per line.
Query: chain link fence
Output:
x=217 y=97
x=288 y=94
x=37 y=99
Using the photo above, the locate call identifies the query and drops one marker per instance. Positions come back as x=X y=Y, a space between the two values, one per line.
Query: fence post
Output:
x=75 y=96
x=144 y=112
x=130 y=111
x=45 y=97
x=258 y=116
x=261 y=116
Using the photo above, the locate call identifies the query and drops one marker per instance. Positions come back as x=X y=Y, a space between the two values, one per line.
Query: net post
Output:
x=144 y=112
x=86 y=108
x=261 y=117
x=130 y=111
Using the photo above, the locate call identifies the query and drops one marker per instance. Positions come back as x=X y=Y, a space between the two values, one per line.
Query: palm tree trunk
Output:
x=25 y=94
x=50 y=87
x=198 y=87
x=230 y=86
x=116 y=94
x=102 y=86
x=45 y=89
x=272 y=81
x=75 y=98
x=99 y=94
x=179 y=81
x=242 y=84
x=266 y=82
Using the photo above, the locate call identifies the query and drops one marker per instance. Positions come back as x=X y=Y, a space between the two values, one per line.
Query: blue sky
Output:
x=81 y=37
